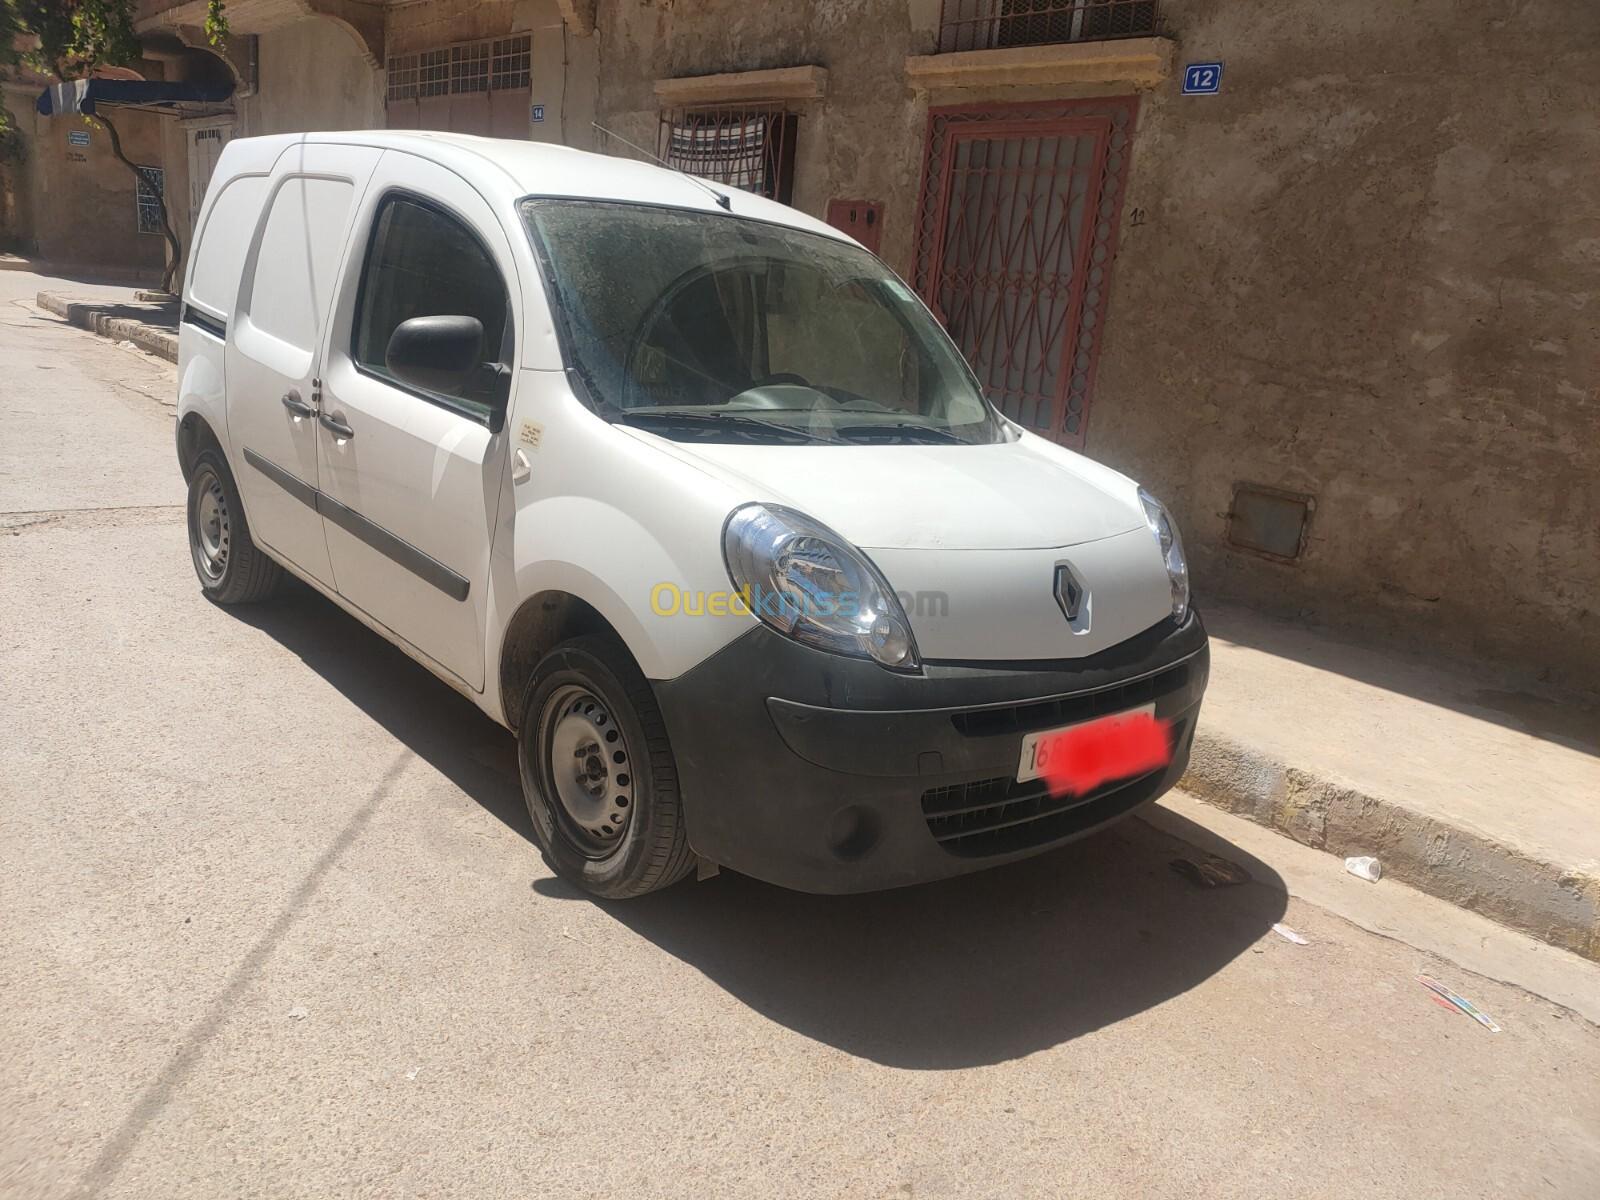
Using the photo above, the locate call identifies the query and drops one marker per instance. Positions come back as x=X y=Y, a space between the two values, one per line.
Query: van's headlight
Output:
x=1166 y=531
x=806 y=581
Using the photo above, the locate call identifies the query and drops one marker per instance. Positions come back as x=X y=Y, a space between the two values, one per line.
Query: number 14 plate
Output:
x=1035 y=760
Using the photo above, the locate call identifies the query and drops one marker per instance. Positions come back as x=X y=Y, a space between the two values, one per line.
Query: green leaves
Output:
x=216 y=24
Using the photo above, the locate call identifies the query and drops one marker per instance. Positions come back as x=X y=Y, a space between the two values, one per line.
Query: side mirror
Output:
x=438 y=354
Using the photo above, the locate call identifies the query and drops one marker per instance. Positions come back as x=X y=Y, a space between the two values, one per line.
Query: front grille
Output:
x=1001 y=816
x=1068 y=710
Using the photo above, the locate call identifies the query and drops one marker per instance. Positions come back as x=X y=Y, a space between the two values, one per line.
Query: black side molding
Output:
x=293 y=484
x=205 y=322
x=421 y=564
x=424 y=566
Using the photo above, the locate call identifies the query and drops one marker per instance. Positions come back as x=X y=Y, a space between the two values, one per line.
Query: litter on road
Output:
x=1288 y=934
x=1366 y=868
x=1210 y=871
x=1460 y=1002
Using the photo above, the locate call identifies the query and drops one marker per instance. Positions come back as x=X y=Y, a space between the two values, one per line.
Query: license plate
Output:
x=1035 y=760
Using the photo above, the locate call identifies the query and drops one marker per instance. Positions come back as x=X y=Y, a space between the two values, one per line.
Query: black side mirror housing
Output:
x=437 y=354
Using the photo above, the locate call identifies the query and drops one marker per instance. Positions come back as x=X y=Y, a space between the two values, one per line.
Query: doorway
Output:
x=1016 y=236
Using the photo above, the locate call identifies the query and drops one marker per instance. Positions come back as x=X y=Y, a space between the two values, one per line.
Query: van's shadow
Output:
x=971 y=971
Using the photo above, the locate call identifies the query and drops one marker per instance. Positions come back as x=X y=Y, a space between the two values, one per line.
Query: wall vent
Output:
x=1270 y=521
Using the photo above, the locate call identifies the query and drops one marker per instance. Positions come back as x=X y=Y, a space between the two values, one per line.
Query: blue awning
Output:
x=82 y=95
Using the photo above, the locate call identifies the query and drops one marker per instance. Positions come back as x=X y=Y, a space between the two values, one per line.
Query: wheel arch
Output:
x=194 y=435
x=540 y=623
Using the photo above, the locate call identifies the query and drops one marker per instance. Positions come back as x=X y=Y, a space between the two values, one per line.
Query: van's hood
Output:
x=1013 y=495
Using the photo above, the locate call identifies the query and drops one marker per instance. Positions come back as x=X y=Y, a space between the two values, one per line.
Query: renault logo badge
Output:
x=1069 y=592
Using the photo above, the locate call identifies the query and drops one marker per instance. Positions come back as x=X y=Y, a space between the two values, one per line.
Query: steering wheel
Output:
x=779 y=377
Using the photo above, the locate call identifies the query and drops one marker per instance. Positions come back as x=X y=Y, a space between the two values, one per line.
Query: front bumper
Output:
x=830 y=774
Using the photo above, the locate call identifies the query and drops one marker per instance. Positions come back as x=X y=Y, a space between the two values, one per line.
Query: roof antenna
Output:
x=724 y=201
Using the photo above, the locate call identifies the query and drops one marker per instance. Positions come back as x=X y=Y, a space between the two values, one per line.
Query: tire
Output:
x=231 y=567
x=587 y=704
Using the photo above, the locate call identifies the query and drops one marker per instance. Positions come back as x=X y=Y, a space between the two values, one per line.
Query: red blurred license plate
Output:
x=1078 y=758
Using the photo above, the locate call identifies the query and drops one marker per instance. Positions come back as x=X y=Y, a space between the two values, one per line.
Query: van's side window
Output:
x=423 y=263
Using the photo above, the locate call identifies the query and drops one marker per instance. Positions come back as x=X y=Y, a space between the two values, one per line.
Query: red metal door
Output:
x=1016 y=234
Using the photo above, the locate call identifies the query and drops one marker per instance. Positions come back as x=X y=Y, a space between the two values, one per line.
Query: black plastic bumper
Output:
x=830 y=774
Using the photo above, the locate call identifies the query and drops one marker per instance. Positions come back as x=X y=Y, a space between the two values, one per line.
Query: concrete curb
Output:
x=101 y=317
x=1557 y=904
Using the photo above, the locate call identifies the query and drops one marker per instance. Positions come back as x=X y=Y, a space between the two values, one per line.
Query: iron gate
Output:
x=1016 y=233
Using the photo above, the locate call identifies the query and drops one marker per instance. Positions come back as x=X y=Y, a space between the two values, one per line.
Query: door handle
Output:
x=336 y=426
x=292 y=401
x=521 y=468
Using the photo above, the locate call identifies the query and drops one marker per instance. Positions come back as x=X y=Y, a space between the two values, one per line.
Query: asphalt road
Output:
x=271 y=925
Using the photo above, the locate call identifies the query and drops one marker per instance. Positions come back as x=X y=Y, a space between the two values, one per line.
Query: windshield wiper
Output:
x=907 y=430
x=705 y=421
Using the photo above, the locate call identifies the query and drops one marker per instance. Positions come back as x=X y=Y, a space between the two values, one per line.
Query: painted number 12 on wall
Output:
x=1202 y=79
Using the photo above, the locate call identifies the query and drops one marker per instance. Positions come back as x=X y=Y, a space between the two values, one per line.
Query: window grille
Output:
x=403 y=77
x=497 y=65
x=147 y=198
x=469 y=68
x=512 y=60
x=995 y=24
x=744 y=148
x=1016 y=234
x=433 y=73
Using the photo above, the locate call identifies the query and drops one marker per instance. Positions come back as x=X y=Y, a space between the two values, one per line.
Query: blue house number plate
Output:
x=1202 y=79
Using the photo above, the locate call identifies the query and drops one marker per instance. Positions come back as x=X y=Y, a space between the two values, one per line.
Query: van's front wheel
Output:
x=598 y=775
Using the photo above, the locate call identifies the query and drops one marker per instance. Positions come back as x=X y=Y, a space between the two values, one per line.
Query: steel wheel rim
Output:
x=213 y=529
x=590 y=769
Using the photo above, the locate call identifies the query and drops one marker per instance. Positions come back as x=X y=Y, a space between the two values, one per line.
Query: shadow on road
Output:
x=966 y=972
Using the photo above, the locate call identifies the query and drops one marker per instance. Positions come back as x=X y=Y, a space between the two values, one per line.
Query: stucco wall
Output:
x=312 y=76
x=1369 y=271
x=75 y=205
x=563 y=68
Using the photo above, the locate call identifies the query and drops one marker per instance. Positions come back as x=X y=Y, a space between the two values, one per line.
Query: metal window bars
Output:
x=433 y=73
x=469 y=68
x=513 y=58
x=751 y=149
x=402 y=77
x=495 y=65
x=996 y=24
x=151 y=187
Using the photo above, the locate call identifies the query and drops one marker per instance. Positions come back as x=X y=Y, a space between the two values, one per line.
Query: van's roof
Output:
x=510 y=169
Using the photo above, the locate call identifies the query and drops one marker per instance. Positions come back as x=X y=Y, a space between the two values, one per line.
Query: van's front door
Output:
x=412 y=477
x=285 y=294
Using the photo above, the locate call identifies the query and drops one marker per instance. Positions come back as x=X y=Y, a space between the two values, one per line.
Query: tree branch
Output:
x=161 y=202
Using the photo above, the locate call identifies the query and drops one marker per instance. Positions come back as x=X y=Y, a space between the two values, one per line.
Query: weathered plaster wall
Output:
x=313 y=76
x=1369 y=270
x=563 y=71
x=75 y=204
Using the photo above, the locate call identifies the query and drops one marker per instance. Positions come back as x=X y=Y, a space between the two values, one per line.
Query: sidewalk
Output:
x=150 y=324
x=1483 y=796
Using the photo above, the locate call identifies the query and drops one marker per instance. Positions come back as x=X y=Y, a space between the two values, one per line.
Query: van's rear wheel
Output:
x=231 y=568
x=598 y=775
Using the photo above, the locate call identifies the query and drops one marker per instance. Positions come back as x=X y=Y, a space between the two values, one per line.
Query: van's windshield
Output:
x=702 y=327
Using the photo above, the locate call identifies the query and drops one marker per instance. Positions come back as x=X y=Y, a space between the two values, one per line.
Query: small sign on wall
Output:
x=536 y=113
x=77 y=137
x=1202 y=79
